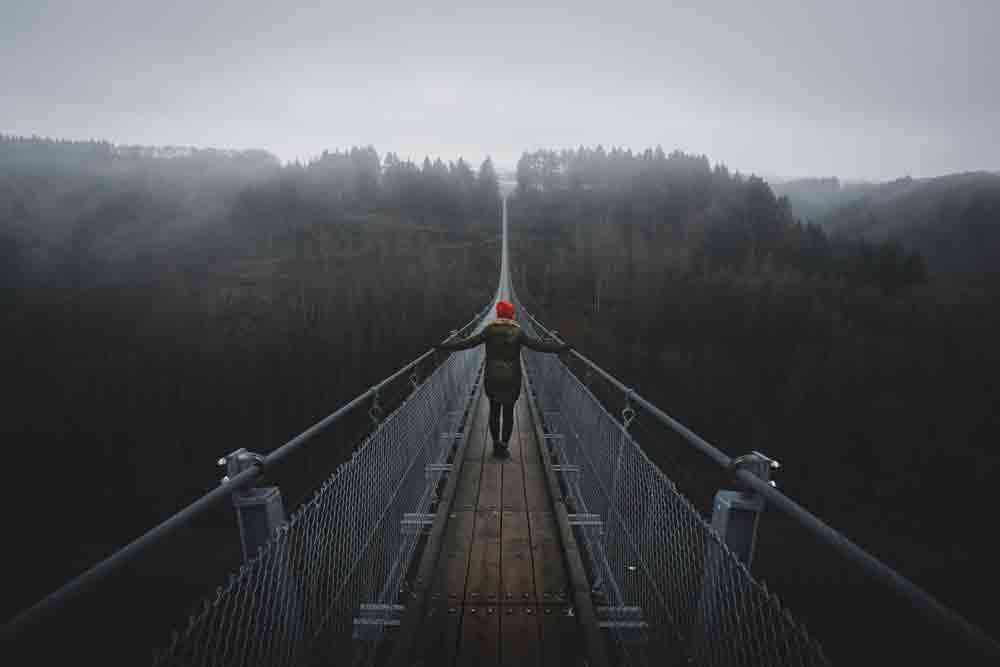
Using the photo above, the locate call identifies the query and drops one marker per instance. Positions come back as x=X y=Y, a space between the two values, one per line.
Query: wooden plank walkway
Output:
x=500 y=594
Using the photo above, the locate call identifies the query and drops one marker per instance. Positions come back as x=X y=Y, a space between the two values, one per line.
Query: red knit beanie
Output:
x=505 y=310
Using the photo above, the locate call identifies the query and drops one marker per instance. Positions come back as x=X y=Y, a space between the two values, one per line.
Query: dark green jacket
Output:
x=503 y=339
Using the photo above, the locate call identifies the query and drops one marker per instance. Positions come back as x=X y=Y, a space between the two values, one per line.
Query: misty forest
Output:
x=163 y=306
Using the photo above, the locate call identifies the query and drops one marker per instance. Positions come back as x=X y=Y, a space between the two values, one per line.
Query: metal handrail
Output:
x=126 y=554
x=872 y=566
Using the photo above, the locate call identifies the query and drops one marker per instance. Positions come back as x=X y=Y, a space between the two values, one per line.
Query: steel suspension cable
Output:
x=103 y=569
x=875 y=568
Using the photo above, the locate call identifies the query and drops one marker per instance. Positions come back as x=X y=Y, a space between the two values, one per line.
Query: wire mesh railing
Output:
x=819 y=571
x=334 y=570
x=95 y=611
x=666 y=582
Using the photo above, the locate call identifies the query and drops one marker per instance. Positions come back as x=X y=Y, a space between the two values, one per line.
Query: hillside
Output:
x=813 y=199
x=865 y=377
x=161 y=307
x=952 y=221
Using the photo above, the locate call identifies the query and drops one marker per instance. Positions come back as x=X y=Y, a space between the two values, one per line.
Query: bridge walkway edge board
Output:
x=429 y=627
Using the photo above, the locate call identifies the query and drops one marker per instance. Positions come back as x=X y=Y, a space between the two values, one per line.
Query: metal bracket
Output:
x=552 y=439
x=736 y=514
x=374 y=619
x=587 y=521
x=260 y=511
x=567 y=469
x=237 y=461
x=620 y=617
x=551 y=419
x=414 y=522
x=756 y=463
x=625 y=622
x=434 y=471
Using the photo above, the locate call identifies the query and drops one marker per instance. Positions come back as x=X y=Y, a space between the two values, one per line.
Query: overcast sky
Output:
x=855 y=88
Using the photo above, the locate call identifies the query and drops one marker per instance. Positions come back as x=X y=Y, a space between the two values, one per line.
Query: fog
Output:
x=784 y=88
x=223 y=297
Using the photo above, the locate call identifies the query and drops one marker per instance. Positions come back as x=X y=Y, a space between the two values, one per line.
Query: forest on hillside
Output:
x=162 y=307
x=953 y=221
x=873 y=380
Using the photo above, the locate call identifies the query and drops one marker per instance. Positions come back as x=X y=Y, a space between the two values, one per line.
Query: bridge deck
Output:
x=500 y=594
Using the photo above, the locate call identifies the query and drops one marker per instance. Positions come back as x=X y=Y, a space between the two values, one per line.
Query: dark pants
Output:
x=496 y=407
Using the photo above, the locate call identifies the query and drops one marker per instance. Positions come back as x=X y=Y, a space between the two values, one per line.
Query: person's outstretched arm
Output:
x=464 y=344
x=540 y=345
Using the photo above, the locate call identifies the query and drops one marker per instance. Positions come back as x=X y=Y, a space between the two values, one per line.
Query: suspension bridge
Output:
x=424 y=549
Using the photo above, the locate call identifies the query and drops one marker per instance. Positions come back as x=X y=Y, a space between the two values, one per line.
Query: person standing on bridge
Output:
x=503 y=339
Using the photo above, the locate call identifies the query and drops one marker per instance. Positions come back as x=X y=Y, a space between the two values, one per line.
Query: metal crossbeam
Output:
x=438 y=468
x=586 y=520
x=621 y=618
x=416 y=521
x=374 y=619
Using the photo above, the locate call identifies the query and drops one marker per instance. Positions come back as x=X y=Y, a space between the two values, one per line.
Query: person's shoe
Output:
x=497 y=450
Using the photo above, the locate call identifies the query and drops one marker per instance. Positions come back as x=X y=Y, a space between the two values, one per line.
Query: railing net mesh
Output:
x=665 y=582
x=333 y=572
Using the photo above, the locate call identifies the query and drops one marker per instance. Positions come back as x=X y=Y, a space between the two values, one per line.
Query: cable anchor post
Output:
x=260 y=510
x=735 y=517
x=736 y=513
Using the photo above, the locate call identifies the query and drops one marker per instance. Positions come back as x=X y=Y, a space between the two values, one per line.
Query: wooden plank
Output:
x=480 y=643
x=489 y=486
x=513 y=486
x=517 y=579
x=478 y=447
x=530 y=452
x=515 y=531
x=543 y=527
x=483 y=584
x=437 y=640
x=551 y=581
x=453 y=565
x=520 y=636
x=536 y=489
x=561 y=640
x=467 y=492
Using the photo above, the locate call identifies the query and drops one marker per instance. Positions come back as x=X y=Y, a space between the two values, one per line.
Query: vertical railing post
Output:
x=736 y=514
x=260 y=511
